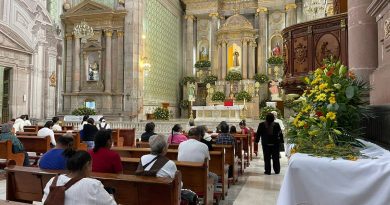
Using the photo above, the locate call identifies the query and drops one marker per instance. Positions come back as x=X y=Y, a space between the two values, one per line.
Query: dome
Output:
x=237 y=21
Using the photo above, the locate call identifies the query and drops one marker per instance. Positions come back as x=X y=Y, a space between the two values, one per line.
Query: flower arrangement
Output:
x=218 y=96
x=84 y=111
x=275 y=60
x=189 y=79
x=267 y=109
x=327 y=124
x=243 y=95
x=210 y=79
x=233 y=76
x=203 y=64
x=261 y=78
x=161 y=113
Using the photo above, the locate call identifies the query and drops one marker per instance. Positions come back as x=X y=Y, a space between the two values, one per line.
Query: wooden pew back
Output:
x=128 y=136
x=77 y=144
x=35 y=144
x=6 y=153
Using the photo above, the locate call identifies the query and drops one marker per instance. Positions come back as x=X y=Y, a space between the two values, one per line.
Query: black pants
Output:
x=271 y=152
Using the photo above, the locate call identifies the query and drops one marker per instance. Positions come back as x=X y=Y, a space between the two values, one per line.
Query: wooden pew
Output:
x=67 y=127
x=194 y=176
x=26 y=184
x=77 y=144
x=244 y=139
x=117 y=140
x=128 y=136
x=5 y=202
x=230 y=158
x=6 y=153
x=32 y=128
x=35 y=144
x=146 y=145
x=26 y=133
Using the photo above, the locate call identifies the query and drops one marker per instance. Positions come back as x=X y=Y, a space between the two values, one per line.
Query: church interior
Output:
x=299 y=83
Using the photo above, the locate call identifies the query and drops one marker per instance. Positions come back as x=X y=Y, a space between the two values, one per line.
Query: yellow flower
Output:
x=332 y=100
x=301 y=123
x=313 y=132
x=351 y=157
x=306 y=109
x=331 y=115
x=329 y=146
x=322 y=118
x=296 y=119
x=320 y=97
x=318 y=72
x=307 y=80
x=323 y=86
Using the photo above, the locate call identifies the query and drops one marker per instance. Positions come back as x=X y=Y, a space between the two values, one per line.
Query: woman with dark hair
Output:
x=205 y=137
x=103 y=158
x=46 y=131
x=17 y=146
x=233 y=130
x=56 y=125
x=26 y=121
x=243 y=127
x=56 y=158
x=89 y=133
x=149 y=131
x=176 y=136
x=82 y=190
x=271 y=136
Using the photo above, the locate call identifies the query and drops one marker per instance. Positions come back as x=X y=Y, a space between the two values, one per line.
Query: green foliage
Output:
x=189 y=79
x=261 y=78
x=275 y=60
x=233 y=76
x=161 y=113
x=210 y=79
x=265 y=110
x=84 y=111
x=203 y=64
x=243 y=95
x=218 y=96
x=184 y=104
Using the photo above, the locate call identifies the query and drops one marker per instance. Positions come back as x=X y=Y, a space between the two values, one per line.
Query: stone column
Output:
x=300 y=16
x=76 y=67
x=213 y=39
x=362 y=33
x=119 y=78
x=190 y=45
x=219 y=66
x=291 y=17
x=262 y=44
x=252 y=46
x=107 y=72
x=224 y=69
x=245 y=59
x=68 y=63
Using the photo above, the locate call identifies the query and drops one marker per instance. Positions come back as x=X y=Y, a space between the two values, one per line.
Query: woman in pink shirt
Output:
x=176 y=137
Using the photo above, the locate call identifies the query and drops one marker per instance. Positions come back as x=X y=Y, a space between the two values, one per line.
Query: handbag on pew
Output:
x=57 y=193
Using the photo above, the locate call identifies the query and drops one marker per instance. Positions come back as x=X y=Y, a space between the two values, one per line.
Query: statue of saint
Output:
x=203 y=54
x=95 y=69
x=191 y=92
x=236 y=57
x=276 y=51
x=274 y=90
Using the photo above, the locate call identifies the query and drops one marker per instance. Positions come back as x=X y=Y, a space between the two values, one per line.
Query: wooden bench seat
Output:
x=26 y=184
x=7 y=154
x=6 y=202
x=35 y=144
x=245 y=155
x=77 y=144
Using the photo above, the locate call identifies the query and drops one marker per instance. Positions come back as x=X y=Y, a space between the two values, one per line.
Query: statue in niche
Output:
x=191 y=92
x=236 y=57
x=274 y=90
x=276 y=51
x=93 y=71
x=203 y=54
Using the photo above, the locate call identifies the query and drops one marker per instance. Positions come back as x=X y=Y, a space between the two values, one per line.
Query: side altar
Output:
x=218 y=113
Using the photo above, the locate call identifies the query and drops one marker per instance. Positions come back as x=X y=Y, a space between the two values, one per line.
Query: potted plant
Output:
x=275 y=60
x=233 y=76
x=83 y=111
x=210 y=79
x=187 y=79
x=261 y=78
x=161 y=113
x=202 y=64
x=218 y=96
x=243 y=95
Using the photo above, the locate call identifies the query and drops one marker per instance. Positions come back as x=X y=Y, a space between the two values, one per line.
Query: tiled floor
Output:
x=252 y=188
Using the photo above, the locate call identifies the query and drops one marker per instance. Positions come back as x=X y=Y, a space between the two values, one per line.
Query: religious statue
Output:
x=191 y=92
x=203 y=54
x=274 y=90
x=93 y=71
x=53 y=79
x=276 y=50
x=236 y=58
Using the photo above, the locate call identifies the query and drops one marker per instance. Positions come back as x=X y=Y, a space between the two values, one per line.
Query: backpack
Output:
x=57 y=193
x=160 y=162
x=102 y=128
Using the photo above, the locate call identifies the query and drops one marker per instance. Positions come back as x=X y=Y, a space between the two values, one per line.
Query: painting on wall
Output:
x=234 y=58
x=276 y=43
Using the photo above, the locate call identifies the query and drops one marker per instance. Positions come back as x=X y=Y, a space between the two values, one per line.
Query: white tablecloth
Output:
x=324 y=181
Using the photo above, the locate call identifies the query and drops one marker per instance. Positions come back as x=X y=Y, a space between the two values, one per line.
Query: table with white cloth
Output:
x=218 y=113
x=324 y=181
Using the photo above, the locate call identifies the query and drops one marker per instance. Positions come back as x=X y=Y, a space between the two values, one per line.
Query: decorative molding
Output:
x=69 y=36
x=215 y=14
x=300 y=53
x=108 y=32
x=262 y=10
x=191 y=17
x=386 y=28
x=376 y=7
x=290 y=6
x=119 y=33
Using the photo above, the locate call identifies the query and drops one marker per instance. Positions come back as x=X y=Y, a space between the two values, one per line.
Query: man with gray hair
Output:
x=279 y=121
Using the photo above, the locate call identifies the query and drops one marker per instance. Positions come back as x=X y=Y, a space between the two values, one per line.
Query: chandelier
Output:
x=315 y=8
x=83 y=31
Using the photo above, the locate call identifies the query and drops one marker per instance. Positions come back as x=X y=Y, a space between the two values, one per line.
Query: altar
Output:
x=218 y=113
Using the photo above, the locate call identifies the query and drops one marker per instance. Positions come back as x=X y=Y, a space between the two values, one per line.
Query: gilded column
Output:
x=291 y=18
x=68 y=61
x=223 y=70
x=245 y=59
x=107 y=72
x=252 y=46
x=262 y=44
x=190 y=45
x=76 y=67
x=219 y=66
x=213 y=38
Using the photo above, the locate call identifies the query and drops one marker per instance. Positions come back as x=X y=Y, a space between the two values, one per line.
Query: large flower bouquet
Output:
x=218 y=96
x=84 y=111
x=328 y=122
x=233 y=76
x=267 y=109
x=243 y=95
x=161 y=113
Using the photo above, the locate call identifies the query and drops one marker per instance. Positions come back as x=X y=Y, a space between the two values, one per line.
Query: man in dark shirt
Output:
x=224 y=137
x=90 y=131
x=149 y=131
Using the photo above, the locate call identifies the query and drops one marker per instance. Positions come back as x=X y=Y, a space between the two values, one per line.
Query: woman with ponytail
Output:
x=57 y=157
x=176 y=136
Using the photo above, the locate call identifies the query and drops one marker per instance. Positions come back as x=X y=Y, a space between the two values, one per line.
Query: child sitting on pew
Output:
x=56 y=158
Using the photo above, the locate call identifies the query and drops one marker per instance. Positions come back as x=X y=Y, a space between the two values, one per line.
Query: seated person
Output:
x=149 y=131
x=56 y=126
x=205 y=137
x=83 y=190
x=243 y=127
x=89 y=132
x=56 y=158
x=103 y=158
x=224 y=137
x=17 y=146
x=233 y=130
x=176 y=136
x=156 y=163
x=46 y=131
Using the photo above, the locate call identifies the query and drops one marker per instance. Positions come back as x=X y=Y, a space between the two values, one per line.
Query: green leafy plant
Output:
x=161 y=113
x=261 y=78
x=275 y=60
x=189 y=79
x=243 y=95
x=203 y=64
x=210 y=79
x=84 y=111
x=218 y=96
x=184 y=104
x=267 y=109
x=233 y=76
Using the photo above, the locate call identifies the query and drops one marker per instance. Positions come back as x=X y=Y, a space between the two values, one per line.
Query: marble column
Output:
x=190 y=45
x=107 y=72
x=262 y=40
x=119 y=79
x=291 y=17
x=245 y=59
x=76 y=78
x=300 y=16
x=219 y=66
x=213 y=39
x=224 y=69
x=68 y=63
x=252 y=46
x=362 y=33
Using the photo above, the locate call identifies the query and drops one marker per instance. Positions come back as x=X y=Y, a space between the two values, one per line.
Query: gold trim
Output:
x=69 y=36
x=189 y=17
x=215 y=14
x=386 y=28
x=262 y=9
x=108 y=32
x=291 y=6
x=119 y=33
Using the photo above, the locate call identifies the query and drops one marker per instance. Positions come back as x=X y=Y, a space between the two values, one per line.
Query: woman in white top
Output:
x=19 y=124
x=84 y=191
x=56 y=126
x=85 y=118
x=27 y=121
x=103 y=125
x=46 y=131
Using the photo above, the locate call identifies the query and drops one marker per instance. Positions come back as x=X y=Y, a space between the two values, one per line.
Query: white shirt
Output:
x=56 y=127
x=27 y=123
x=18 y=125
x=193 y=151
x=280 y=122
x=81 y=126
x=86 y=191
x=102 y=124
x=47 y=132
x=168 y=170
